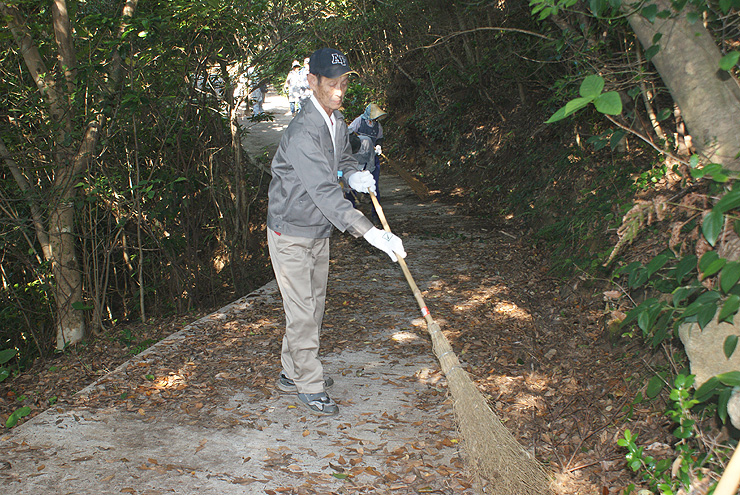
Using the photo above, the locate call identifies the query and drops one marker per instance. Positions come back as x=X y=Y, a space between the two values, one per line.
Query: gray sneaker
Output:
x=320 y=404
x=287 y=385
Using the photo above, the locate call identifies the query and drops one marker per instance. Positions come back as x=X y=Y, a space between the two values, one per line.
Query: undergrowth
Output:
x=632 y=221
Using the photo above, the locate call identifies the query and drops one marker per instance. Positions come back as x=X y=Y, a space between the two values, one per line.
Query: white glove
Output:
x=362 y=181
x=378 y=150
x=385 y=241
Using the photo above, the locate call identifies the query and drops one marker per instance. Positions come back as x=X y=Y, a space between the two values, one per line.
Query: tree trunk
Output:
x=709 y=98
x=67 y=276
x=59 y=241
x=62 y=239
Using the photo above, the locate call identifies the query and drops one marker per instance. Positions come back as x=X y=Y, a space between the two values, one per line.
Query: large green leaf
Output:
x=707 y=389
x=637 y=278
x=684 y=267
x=616 y=138
x=728 y=61
x=559 y=115
x=649 y=12
x=729 y=345
x=728 y=202
x=731 y=378
x=655 y=385
x=598 y=7
x=16 y=415
x=725 y=6
x=6 y=355
x=712 y=226
x=628 y=269
x=591 y=87
x=722 y=400
x=646 y=319
x=609 y=103
x=707 y=259
x=664 y=114
x=714 y=267
x=635 y=312
x=693 y=17
x=682 y=293
x=656 y=264
x=652 y=51
x=712 y=169
x=706 y=314
x=729 y=308
x=660 y=328
x=729 y=276
x=574 y=105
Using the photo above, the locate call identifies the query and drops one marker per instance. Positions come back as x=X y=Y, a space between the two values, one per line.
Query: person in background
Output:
x=368 y=125
x=363 y=151
x=241 y=94
x=258 y=98
x=305 y=89
x=257 y=90
x=293 y=87
x=305 y=204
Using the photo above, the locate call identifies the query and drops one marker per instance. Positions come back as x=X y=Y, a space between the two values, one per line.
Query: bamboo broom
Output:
x=731 y=477
x=492 y=451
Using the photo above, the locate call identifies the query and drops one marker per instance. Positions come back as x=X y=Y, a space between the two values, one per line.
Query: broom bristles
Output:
x=493 y=452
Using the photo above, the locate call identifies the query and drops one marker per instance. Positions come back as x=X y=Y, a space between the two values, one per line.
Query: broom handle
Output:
x=417 y=293
x=731 y=477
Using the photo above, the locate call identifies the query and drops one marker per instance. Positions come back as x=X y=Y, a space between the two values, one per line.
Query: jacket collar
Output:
x=316 y=113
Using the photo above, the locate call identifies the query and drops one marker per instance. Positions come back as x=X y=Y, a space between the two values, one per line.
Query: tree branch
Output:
x=27 y=188
x=647 y=140
x=443 y=39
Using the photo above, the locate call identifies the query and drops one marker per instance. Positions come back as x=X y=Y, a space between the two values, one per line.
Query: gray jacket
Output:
x=305 y=197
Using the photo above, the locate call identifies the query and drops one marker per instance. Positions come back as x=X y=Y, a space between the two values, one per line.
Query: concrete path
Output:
x=261 y=138
x=203 y=415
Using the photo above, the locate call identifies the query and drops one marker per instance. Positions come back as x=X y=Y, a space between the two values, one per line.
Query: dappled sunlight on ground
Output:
x=494 y=299
x=171 y=380
x=404 y=337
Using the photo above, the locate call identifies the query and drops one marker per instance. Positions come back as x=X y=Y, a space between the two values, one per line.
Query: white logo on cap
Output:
x=338 y=59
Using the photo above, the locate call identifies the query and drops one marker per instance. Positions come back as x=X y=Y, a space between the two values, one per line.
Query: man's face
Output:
x=329 y=92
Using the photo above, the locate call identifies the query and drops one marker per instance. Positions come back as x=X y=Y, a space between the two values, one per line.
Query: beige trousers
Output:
x=301 y=268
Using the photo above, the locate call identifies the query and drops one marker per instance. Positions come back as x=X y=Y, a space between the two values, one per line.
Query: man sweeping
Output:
x=305 y=204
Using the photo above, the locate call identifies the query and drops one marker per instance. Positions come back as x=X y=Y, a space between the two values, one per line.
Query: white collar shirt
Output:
x=331 y=121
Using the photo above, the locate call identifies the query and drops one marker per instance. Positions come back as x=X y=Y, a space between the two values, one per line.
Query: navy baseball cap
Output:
x=328 y=62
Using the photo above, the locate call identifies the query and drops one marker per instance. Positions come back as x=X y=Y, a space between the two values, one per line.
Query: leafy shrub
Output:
x=670 y=476
x=691 y=289
x=5 y=356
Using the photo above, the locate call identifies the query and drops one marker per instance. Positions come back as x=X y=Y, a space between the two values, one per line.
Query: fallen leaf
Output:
x=243 y=481
x=202 y=445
